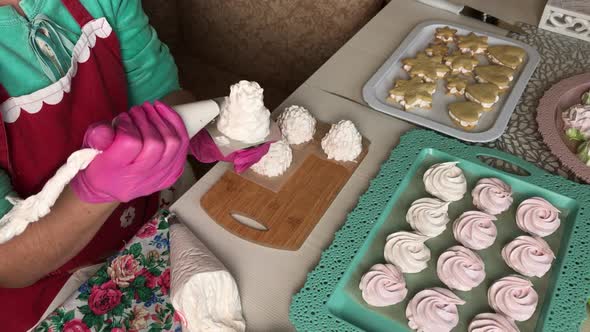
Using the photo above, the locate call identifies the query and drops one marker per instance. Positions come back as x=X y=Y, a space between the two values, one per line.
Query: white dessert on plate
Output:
x=297 y=125
x=276 y=161
x=243 y=116
x=343 y=142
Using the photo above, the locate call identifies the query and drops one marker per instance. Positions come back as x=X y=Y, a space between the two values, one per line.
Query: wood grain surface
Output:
x=287 y=207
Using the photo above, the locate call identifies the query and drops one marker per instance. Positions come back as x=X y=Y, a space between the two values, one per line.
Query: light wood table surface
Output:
x=267 y=278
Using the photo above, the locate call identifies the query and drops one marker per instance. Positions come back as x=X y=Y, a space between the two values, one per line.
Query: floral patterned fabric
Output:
x=129 y=293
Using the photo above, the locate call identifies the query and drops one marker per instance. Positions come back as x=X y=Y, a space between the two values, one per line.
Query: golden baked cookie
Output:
x=499 y=75
x=437 y=49
x=413 y=93
x=485 y=94
x=506 y=55
x=445 y=34
x=456 y=85
x=428 y=68
x=461 y=63
x=465 y=114
x=472 y=43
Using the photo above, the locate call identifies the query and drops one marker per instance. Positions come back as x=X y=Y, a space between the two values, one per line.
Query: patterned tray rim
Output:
x=564 y=311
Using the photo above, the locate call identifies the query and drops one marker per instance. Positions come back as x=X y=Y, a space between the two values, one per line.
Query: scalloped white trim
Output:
x=53 y=94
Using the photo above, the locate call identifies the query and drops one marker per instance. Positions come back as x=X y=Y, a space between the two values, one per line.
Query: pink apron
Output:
x=42 y=129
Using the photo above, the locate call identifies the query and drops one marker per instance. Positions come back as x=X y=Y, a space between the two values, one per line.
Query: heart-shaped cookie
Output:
x=472 y=43
x=413 y=93
x=506 y=55
x=485 y=94
x=499 y=75
x=465 y=114
x=428 y=68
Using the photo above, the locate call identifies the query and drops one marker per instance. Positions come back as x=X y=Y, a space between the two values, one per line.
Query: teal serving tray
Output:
x=331 y=301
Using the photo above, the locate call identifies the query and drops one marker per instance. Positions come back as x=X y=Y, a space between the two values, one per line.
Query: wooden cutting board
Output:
x=288 y=207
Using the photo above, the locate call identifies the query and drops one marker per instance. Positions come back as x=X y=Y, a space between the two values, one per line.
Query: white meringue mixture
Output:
x=297 y=125
x=243 y=116
x=276 y=161
x=343 y=142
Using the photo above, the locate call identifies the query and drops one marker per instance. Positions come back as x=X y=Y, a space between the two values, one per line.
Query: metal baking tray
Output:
x=491 y=124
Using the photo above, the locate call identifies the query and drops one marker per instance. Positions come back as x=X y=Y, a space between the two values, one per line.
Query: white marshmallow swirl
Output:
x=428 y=216
x=407 y=251
x=445 y=181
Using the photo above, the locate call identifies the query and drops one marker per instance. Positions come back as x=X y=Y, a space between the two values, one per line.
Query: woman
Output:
x=66 y=65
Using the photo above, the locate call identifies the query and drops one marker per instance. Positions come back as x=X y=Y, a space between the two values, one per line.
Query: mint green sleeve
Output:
x=5 y=189
x=151 y=71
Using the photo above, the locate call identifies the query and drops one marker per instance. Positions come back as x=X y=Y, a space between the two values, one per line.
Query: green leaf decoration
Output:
x=135 y=249
x=128 y=297
x=118 y=310
x=584 y=152
x=155 y=271
x=98 y=280
x=43 y=327
x=139 y=282
x=163 y=225
x=103 y=273
x=91 y=320
x=574 y=134
x=85 y=310
x=144 y=293
x=69 y=315
x=55 y=320
x=155 y=328
x=83 y=296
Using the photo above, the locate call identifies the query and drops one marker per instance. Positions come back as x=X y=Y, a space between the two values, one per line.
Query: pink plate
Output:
x=559 y=98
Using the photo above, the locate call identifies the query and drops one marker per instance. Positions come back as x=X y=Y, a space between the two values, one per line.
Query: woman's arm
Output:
x=52 y=241
x=143 y=152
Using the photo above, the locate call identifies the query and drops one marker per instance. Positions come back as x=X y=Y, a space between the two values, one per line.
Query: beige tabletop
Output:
x=267 y=278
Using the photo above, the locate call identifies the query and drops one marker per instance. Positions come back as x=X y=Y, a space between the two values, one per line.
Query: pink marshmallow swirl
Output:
x=537 y=216
x=383 y=285
x=492 y=195
x=433 y=309
x=475 y=230
x=529 y=256
x=514 y=297
x=492 y=322
x=460 y=268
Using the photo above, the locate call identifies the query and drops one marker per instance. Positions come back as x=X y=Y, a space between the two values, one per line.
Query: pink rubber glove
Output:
x=205 y=150
x=143 y=152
